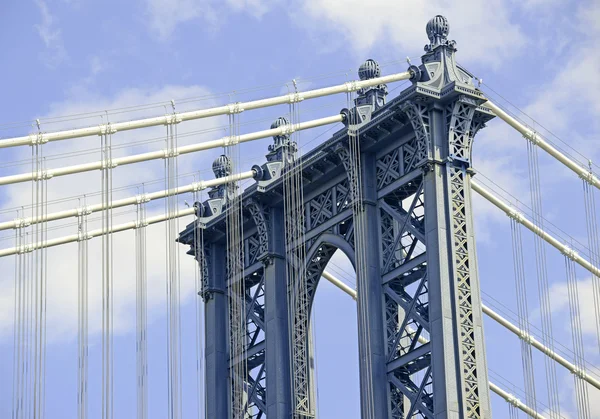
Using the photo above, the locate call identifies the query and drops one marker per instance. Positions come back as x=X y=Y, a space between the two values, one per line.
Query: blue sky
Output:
x=65 y=57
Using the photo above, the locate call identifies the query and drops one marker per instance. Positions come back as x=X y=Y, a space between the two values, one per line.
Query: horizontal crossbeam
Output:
x=174 y=118
x=162 y=154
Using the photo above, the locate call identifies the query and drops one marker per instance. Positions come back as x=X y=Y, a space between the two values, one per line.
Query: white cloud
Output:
x=62 y=260
x=51 y=36
x=165 y=15
x=559 y=298
x=256 y=8
x=401 y=25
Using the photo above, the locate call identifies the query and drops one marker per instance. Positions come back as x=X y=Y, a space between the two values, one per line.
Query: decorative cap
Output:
x=369 y=70
x=437 y=32
x=222 y=166
x=437 y=29
x=279 y=139
x=279 y=122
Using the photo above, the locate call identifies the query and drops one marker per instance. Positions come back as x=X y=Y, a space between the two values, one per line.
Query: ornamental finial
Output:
x=222 y=166
x=374 y=95
x=437 y=32
x=281 y=139
x=369 y=70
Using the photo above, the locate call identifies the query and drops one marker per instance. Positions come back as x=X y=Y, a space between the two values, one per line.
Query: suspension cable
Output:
x=581 y=393
x=532 y=226
x=141 y=277
x=594 y=246
x=536 y=140
x=523 y=310
x=542 y=277
x=204 y=113
x=162 y=154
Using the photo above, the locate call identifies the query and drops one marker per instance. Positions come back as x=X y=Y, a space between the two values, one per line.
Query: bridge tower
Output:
x=422 y=350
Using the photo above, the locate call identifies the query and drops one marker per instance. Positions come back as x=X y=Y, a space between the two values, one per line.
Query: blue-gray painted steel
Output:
x=420 y=276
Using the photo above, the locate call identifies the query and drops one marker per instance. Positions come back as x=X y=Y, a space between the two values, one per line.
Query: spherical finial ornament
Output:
x=279 y=139
x=369 y=70
x=222 y=166
x=279 y=122
x=438 y=28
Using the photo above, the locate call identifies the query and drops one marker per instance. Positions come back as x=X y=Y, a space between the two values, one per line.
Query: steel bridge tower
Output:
x=425 y=355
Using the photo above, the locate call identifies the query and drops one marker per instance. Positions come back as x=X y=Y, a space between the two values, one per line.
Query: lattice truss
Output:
x=255 y=245
x=328 y=212
x=404 y=274
x=254 y=353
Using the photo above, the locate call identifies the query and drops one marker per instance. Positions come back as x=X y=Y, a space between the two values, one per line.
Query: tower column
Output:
x=216 y=327
x=277 y=354
x=373 y=383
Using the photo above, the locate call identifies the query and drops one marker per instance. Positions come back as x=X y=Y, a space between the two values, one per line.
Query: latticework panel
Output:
x=463 y=288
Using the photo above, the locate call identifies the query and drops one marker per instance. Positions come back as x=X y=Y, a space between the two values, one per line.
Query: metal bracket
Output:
x=210 y=210
x=271 y=171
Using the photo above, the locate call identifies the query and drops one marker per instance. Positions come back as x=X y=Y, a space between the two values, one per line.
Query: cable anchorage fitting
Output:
x=512 y=399
x=231 y=140
x=570 y=253
x=107 y=164
x=589 y=175
x=287 y=129
x=25 y=248
x=170 y=152
x=142 y=199
x=351 y=86
x=515 y=215
x=235 y=108
x=526 y=337
x=22 y=222
x=81 y=211
x=43 y=175
x=578 y=372
x=295 y=97
x=141 y=223
x=106 y=129
x=197 y=186
x=81 y=236
x=172 y=118
x=533 y=137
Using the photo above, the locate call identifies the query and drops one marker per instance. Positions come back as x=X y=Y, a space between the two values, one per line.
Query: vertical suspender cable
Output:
x=173 y=296
x=542 y=275
x=581 y=393
x=141 y=311
x=298 y=299
x=82 y=316
x=18 y=327
x=592 y=231
x=523 y=312
x=236 y=286
x=44 y=298
x=107 y=276
x=360 y=245
x=198 y=280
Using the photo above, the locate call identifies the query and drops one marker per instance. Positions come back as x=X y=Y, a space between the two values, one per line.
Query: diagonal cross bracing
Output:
x=505 y=395
x=202 y=113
